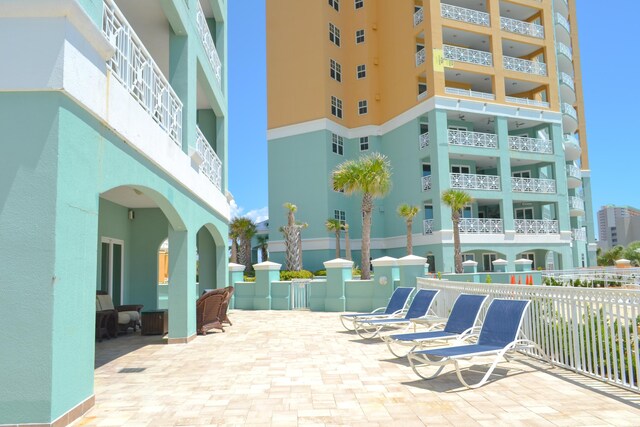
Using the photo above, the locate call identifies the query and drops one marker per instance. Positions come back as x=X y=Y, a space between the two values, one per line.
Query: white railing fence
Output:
x=527 y=101
x=533 y=185
x=299 y=299
x=481 y=226
x=420 y=57
x=463 y=14
x=569 y=110
x=469 y=93
x=468 y=181
x=426 y=183
x=471 y=56
x=521 y=27
x=427 y=226
x=209 y=45
x=473 y=139
x=536 y=226
x=590 y=331
x=531 y=145
x=592 y=277
x=579 y=234
x=211 y=166
x=133 y=66
x=576 y=203
x=418 y=17
x=524 y=66
x=424 y=140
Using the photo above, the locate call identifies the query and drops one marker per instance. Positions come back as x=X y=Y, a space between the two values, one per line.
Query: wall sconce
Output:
x=131 y=214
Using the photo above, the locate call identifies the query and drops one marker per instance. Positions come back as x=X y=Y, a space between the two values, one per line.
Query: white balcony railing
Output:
x=473 y=139
x=574 y=171
x=579 y=234
x=211 y=165
x=527 y=101
x=467 y=181
x=562 y=21
x=524 y=66
x=533 y=185
x=207 y=41
x=424 y=140
x=133 y=66
x=481 y=226
x=576 y=203
x=426 y=183
x=418 y=17
x=530 y=145
x=536 y=226
x=569 y=110
x=471 y=56
x=420 y=57
x=521 y=27
x=565 y=50
x=465 y=15
x=427 y=226
x=567 y=80
x=470 y=93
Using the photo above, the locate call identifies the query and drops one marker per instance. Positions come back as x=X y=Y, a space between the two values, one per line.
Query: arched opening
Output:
x=542 y=259
x=163 y=275
x=484 y=258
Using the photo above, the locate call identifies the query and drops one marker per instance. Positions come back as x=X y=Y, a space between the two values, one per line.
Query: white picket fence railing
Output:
x=590 y=331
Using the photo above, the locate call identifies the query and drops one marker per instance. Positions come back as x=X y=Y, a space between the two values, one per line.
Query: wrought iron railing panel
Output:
x=211 y=166
x=566 y=50
x=418 y=17
x=533 y=185
x=524 y=66
x=536 y=226
x=465 y=15
x=207 y=41
x=530 y=145
x=567 y=80
x=427 y=226
x=569 y=110
x=471 y=56
x=468 y=181
x=576 y=203
x=521 y=27
x=473 y=139
x=579 y=234
x=562 y=21
x=574 y=171
x=424 y=140
x=481 y=226
x=420 y=57
x=426 y=183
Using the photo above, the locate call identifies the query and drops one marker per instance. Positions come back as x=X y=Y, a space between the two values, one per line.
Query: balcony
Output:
x=463 y=14
x=533 y=185
x=424 y=140
x=133 y=66
x=565 y=50
x=525 y=66
x=467 y=181
x=562 y=22
x=211 y=165
x=576 y=206
x=426 y=183
x=427 y=226
x=469 y=93
x=481 y=226
x=567 y=80
x=527 y=101
x=473 y=139
x=420 y=57
x=208 y=44
x=530 y=145
x=471 y=56
x=567 y=88
x=418 y=17
x=521 y=27
x=574 y=176
x=569 y=118
x=579 y=234
x=536 y=226
x=572 y=149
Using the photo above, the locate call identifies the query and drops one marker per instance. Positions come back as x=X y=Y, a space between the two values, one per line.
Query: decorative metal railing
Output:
x=569 y=110
x=574 y=171
x=530 y=145
x=527 y=101
x=133 y=66
x=471 y=56
x=593 y=332
x=595 y=277
x=567 y=80
x=467 y=181
x=524 y=66
x=473 y=139
x=521 y=27
x=471 y=93
x=562 y=21
x=427 y=226
x=207 y=41
x=424 y=140
x=579 y=234
x=481 y=226
x=418 y=17
x=420 y=57
x=211 y=166
x=576 y=203
x=465 y=15
x=533 y=185
x=571 y=140
x=426 y=183
x=422 y=95
x=536 y=226
x=565 y=50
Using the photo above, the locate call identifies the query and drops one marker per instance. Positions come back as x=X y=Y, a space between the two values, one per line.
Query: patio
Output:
x=301 y=368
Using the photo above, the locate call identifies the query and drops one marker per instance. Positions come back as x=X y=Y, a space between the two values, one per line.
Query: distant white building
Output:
x=618 y=225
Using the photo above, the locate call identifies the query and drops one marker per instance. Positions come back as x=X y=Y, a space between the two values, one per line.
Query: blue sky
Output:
x=610 y=51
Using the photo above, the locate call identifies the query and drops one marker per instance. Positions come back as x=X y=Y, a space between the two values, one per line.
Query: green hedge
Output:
x=302 y=274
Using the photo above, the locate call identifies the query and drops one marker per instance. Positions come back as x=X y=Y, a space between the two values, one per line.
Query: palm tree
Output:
x=245 y=229
x=408 y=212
x=335 y=226
x=347 y=245
x=371 y=176
x=234 y=234
x=292 y=239
x=456 y=200
x=263 y=244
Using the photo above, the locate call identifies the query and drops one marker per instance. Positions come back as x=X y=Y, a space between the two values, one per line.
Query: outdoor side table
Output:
x=155 y=322
x=105 y=324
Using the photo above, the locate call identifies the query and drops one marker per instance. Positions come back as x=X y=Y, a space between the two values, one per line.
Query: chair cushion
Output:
x=105 y=302
x=124 y=318
x=134 y=316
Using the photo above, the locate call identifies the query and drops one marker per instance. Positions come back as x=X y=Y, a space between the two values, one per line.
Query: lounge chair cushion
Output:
x=124 y=318
x=105 y=303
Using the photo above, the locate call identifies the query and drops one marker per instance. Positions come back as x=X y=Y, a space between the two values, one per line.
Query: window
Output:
x=424 y=128
x=361 y=71
x=364 y=143
x=340 y=216
x=524 y=213
x=460 y=169
x=487 y=261
x=359 y=36
x=521 y=174
x=334 y=34
x=363 y=107
x=531 y=257
x=335 y=4
x=422 y=88
x=468 y=257
x=426 y=169
x=428 y=211
x=335 y=70
x=337 y=144
x=336 y=107
x=359 y=4
x=466 y=212
x=460 y=128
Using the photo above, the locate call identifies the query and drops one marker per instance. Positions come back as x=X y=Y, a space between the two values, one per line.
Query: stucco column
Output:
x=266 y=273
x=206 y=261
x=386 y=272
x=504 y=170
x=409 y=268
x=440 y=178
x=236 y=274
x=182 y=286
x=183 y=79
x=338 y=272
x=560 y=175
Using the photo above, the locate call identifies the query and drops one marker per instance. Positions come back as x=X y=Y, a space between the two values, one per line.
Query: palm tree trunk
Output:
x=457 y=253
x=338 y=244
x=367 y=208
x=409 y=237
x=247 y=254
x=234 y=250
x=265 y=255
x=347 y=245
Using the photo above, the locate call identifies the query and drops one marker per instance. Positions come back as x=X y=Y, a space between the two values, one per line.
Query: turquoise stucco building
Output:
x=113 y=138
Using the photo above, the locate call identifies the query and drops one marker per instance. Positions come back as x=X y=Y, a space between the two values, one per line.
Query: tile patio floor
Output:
x=302 y=368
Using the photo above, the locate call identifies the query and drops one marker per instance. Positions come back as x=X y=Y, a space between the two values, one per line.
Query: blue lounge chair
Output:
x=369 y=328
x=463 y=317
x=394 y=308
x=499 y=335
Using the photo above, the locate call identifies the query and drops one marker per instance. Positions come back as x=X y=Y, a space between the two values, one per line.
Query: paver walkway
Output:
x=301 y=368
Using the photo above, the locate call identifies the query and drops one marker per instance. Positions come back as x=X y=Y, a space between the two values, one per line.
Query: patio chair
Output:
x=128 y=316
x=394 y=308
x=224 y=317
x=370 y=327
x=464 y=315
x=208 y=310
x=499 y=335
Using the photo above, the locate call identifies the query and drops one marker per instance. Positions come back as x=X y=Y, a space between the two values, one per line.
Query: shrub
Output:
x=488 y=279
x=320 y=273
x=355 y=271
x=286 y=275
x=249 y=278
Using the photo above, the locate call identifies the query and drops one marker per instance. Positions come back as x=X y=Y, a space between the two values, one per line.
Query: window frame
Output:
x=335 y=4
x=334 y=34
x=493 y=255
x=359 y=71
x=335 y=70
x=518 y=174
x=361 y=35
x=336 y=107
x=363 y=107
x=337 y=144
x=341 y=216
x=358 y=4
x=364 y=140
x=460 y=167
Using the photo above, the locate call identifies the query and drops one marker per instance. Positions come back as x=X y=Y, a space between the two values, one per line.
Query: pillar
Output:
x=500 y=266
x=470 y=267
x=236 y=274
x=266 y=273
x=182 y=286
x=409 y=268
x=338 y=272
x=386 y=273
x=504 y=170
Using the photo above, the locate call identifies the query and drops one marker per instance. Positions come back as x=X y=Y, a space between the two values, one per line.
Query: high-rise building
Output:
x=618 y=225
x=483 y=96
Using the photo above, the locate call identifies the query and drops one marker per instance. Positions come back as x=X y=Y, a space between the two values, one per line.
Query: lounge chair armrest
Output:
x=131 y=307
x=379 y=310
